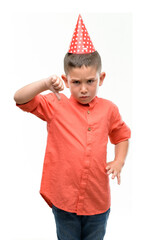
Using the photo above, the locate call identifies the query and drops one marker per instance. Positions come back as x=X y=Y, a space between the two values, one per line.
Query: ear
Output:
x=102 y=76
x=65 y=80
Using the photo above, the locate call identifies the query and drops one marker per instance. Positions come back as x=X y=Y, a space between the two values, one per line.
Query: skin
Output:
x=83 y=82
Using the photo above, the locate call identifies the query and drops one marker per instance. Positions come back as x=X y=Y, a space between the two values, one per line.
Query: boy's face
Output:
x=83 y=83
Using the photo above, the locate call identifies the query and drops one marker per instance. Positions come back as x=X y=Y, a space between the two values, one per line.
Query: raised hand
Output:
x=54 y=84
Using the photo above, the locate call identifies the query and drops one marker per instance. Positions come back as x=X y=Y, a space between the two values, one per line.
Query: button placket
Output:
x=87 y=160
x=89 y=128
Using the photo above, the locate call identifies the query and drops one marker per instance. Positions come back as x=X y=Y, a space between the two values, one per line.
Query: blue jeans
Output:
x=70 y=226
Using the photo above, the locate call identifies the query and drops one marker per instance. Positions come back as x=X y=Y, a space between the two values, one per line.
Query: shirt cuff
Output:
x=120 y=135
x=31 y=105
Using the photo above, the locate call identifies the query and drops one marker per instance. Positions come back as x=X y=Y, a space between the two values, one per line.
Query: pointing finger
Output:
x=118 y=178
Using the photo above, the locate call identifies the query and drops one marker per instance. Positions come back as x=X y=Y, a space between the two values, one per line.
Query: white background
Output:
x=34 y=39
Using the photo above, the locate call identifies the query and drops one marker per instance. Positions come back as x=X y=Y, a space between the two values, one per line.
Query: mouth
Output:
x=84 y=97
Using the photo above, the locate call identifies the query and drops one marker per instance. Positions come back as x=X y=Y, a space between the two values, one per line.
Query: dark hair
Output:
x=72 y=60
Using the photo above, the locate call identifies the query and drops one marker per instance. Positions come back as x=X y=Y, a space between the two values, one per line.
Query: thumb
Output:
x=56 y=93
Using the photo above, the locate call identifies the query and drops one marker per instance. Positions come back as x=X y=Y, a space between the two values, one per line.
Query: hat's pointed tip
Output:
x=81 y=42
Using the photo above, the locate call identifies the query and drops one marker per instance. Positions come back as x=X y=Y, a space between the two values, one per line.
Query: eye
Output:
x=76 y=82
x=90 y=81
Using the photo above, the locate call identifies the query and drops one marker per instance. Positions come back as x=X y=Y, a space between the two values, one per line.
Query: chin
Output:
x=84 y=102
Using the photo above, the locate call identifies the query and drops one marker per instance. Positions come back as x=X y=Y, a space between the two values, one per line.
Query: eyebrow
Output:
x=90 y=78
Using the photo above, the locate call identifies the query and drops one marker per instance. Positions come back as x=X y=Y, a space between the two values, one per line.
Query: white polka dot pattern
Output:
x=81 y=42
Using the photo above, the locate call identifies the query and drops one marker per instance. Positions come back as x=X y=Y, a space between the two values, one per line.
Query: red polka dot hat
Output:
x=81 y=42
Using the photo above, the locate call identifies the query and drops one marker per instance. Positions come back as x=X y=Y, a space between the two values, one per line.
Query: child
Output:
x=75 y=178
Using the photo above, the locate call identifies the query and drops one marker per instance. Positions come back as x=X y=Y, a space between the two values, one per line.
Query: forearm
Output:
x=121 y=150
x=26 y=93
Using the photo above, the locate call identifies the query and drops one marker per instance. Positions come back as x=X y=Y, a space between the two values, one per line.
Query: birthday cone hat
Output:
x=81 y=42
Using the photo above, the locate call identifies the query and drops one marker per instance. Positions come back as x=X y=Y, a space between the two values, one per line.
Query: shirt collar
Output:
x=90 y=104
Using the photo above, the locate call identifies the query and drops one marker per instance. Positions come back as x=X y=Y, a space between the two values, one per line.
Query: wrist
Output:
x=45 y=84
x=119 y=160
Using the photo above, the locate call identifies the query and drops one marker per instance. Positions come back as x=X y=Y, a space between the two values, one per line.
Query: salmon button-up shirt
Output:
x=74 y=177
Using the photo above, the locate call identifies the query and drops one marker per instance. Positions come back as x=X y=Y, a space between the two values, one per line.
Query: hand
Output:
x=115 y=167
x=55 y=84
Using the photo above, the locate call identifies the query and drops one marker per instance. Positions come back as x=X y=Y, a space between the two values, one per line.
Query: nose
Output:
x=83 y=89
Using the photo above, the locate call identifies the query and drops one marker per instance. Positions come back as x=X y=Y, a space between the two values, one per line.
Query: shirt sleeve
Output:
x=118 y=131
x=43 y=106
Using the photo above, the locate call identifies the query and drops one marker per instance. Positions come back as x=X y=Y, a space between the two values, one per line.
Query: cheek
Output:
x=93 y=87
x=94 y=90
x=73 y=88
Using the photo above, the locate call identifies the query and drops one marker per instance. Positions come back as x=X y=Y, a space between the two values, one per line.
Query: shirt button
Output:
x=89 y=129
x=88 y=111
